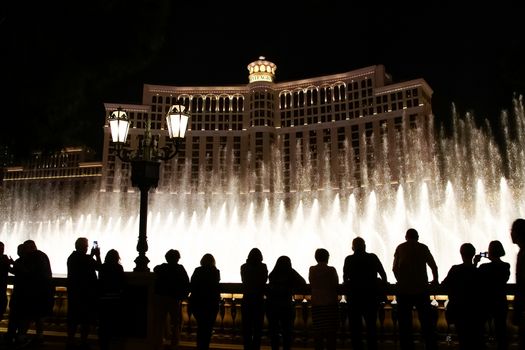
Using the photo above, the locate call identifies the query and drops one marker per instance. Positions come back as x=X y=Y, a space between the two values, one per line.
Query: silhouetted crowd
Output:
x=476 y=295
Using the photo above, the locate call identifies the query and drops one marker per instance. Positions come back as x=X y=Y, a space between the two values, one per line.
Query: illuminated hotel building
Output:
x=72 y=167
x=301 y=135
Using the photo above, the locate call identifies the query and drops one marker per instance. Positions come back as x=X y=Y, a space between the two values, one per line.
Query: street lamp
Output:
x=145 y=163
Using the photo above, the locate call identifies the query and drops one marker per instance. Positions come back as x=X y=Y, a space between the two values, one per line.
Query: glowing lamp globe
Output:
x=177 y=121
x=119 y=124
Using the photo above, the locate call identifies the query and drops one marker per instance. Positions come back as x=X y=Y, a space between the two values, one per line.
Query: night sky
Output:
x=60 y=61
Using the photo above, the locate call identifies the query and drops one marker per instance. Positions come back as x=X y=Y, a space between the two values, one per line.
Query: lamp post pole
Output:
x=145 y=176
x=145 y=164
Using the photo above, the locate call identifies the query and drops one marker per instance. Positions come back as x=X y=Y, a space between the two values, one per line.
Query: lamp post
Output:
x=145 y=163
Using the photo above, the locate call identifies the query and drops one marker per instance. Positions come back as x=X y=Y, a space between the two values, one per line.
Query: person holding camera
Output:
x=82 y=294
x=495 y=275
x=463 y=285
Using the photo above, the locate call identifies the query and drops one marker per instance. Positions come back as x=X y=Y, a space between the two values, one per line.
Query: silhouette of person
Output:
x=360 y=273
x=82 y=290
x=204 y=299
x=40 y=296
x=411 y=259
x=171 y=287
x=324 y=282
x=517 y=233
x=5 y=267
x=494 y=276
x=254 y=274
x=17 y=327
x=112 y=283
x=463 y=285
x=283 y=282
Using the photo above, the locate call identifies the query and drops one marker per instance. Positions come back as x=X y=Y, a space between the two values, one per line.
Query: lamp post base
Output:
x=141 y=264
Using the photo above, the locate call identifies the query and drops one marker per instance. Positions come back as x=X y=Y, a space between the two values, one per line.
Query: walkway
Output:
x=56 y=341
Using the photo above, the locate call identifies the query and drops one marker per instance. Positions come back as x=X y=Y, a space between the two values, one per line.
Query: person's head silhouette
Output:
x=254 y=256
x=208 y=260
x=411 y=235
x=322 y=255
x=358 y=245
x=517 y=232
x=496 y=250
x=467 y=252
x=172 y=256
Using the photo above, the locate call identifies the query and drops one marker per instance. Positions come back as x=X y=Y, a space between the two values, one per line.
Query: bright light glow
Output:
x=177 y=121
x=260 y=77
x=119 y=124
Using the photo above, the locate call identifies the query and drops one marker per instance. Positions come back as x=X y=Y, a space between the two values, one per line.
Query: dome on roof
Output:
x=261 y=70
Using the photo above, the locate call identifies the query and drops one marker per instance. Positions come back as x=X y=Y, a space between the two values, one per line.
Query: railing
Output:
x=228 y=322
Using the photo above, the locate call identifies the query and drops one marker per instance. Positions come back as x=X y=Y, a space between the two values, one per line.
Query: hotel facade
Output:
x=329 y=132
x=66 y=166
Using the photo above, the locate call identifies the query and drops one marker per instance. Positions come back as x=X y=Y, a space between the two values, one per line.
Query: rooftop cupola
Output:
x=261 y=70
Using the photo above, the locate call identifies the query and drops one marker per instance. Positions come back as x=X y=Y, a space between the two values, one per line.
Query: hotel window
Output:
x=413 y=121
x=323 y=96
x=341 y=134
x=383 y=129
x=326 y=135
x=309 y=97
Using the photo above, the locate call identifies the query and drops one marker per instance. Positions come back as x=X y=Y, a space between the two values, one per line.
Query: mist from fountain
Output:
x=469 y=190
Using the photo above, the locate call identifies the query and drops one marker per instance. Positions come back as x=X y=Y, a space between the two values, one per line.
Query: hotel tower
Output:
x=328 y=132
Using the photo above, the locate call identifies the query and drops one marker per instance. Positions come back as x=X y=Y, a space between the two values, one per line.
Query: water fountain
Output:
x=470 y=191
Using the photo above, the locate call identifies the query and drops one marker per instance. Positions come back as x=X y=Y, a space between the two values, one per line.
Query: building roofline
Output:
x=109 y=106
x=331 y=78
x=233 y=89
x=403 y=85
x=227 y=90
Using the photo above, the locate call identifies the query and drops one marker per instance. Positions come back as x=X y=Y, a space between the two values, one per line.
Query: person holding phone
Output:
x=82 y=290
x=495 y=275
